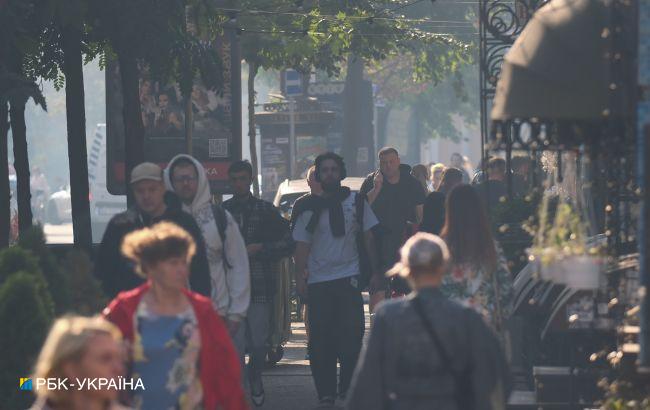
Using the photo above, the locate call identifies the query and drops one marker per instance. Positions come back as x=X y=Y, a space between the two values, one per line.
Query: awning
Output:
x=559 y=67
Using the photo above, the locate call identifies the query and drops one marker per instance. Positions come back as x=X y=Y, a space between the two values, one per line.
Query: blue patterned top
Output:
x=165 y=356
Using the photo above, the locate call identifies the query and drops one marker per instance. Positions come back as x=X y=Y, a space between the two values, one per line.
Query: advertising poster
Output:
x=216 y=137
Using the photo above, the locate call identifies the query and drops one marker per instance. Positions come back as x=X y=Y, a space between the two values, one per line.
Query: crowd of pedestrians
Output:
x=192 y=284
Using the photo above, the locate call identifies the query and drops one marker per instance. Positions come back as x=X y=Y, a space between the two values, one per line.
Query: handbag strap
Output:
x=419 y=309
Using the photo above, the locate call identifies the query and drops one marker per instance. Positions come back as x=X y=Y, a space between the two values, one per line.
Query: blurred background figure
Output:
x=80 y=348
x=458 y=161
x=494 y=188
x=436 y=176
x=433 y=218
x=421 y=173
x=40 y=191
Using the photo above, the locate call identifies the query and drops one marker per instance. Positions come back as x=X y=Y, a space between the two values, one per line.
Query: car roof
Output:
x=300 y=186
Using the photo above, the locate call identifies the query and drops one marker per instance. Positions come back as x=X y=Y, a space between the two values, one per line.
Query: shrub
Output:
x=25 y=321
x=58 y=283
x=86 y=294
x=16 y=259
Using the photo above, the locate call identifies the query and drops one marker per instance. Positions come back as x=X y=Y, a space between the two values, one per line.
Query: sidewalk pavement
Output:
x=289 y=385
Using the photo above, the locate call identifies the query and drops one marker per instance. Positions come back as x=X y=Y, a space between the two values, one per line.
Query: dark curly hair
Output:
x=330 y=155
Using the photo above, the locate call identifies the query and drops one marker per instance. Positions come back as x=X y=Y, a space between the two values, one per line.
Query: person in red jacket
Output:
x=178 y=345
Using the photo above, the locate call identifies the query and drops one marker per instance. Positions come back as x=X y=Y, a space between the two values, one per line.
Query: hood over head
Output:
x=203 y=195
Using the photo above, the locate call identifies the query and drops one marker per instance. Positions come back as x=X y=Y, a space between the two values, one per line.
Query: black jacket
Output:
x=433 y=215
x=117 y=273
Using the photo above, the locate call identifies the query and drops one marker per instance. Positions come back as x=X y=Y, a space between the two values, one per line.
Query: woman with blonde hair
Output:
x=80 y=349
x=426 y=351
x=179 y=347
x=436 y=175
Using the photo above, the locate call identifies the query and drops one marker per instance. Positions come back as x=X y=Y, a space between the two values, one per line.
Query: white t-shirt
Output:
x=333 y=258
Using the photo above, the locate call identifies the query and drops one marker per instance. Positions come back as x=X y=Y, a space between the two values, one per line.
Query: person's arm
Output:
x=300 y=256
x=238 y=277
x=420 y=197
x=301 y=253
x=368 y=382
x=419 y=213
x=378 y=181
x=231 y=393
x=371 y=248
x=108 y=260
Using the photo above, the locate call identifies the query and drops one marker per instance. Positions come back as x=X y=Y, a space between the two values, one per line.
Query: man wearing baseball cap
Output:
x=152 y=204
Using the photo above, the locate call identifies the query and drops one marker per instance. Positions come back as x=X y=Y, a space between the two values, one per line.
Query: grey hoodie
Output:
x=230 y=285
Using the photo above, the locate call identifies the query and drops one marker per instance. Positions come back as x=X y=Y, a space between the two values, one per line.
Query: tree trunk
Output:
x=21 y=163
x=133 y=126
x=5 y=208
x=352 y=113
x=252 y=135
x=77 y=154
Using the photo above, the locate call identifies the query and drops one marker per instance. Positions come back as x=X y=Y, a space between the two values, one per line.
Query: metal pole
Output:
x=643 y=151
x=292 y=139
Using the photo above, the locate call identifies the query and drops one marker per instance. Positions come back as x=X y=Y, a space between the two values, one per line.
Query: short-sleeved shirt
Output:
x=330 y=257
x=166 y=356
x=394 y=206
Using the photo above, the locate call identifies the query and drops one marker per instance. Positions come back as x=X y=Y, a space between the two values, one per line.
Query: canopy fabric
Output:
x=559 y=67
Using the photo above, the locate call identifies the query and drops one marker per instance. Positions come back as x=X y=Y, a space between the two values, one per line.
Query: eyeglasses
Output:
x=184 y=179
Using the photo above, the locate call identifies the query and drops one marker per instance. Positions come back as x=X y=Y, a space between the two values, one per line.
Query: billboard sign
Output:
x=216 y=135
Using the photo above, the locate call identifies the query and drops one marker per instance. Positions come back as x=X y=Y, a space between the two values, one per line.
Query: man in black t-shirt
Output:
x=396 y=198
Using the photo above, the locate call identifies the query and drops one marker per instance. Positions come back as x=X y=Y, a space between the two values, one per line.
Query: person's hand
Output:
x=232 y=326
x=253 y=248
x=378 y=181
x=301 y=286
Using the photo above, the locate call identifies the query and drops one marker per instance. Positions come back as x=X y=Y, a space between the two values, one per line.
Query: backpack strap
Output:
x=221 y=219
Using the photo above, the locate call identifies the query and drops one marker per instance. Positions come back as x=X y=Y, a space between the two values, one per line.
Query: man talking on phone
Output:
x=396 y=198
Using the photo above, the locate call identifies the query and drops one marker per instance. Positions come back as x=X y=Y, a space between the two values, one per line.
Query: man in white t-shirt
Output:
x=326 y=235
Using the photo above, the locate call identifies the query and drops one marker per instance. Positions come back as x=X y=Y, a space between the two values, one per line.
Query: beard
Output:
x=331 y=186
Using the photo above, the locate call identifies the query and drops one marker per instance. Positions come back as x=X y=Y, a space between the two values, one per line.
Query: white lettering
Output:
x=139 y=384
x=80 y=384
x=40 y=382
x=128 y=383
x=62 y=384
x=91 y=383
x=103 y=382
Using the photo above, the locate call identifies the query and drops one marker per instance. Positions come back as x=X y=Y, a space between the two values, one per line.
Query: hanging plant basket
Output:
x=562 y=252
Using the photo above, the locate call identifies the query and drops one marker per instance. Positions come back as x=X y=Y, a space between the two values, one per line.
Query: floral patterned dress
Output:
x=165 y=356
x=489 y=294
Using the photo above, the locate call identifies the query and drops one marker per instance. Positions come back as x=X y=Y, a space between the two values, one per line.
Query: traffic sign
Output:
x=292 y=83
